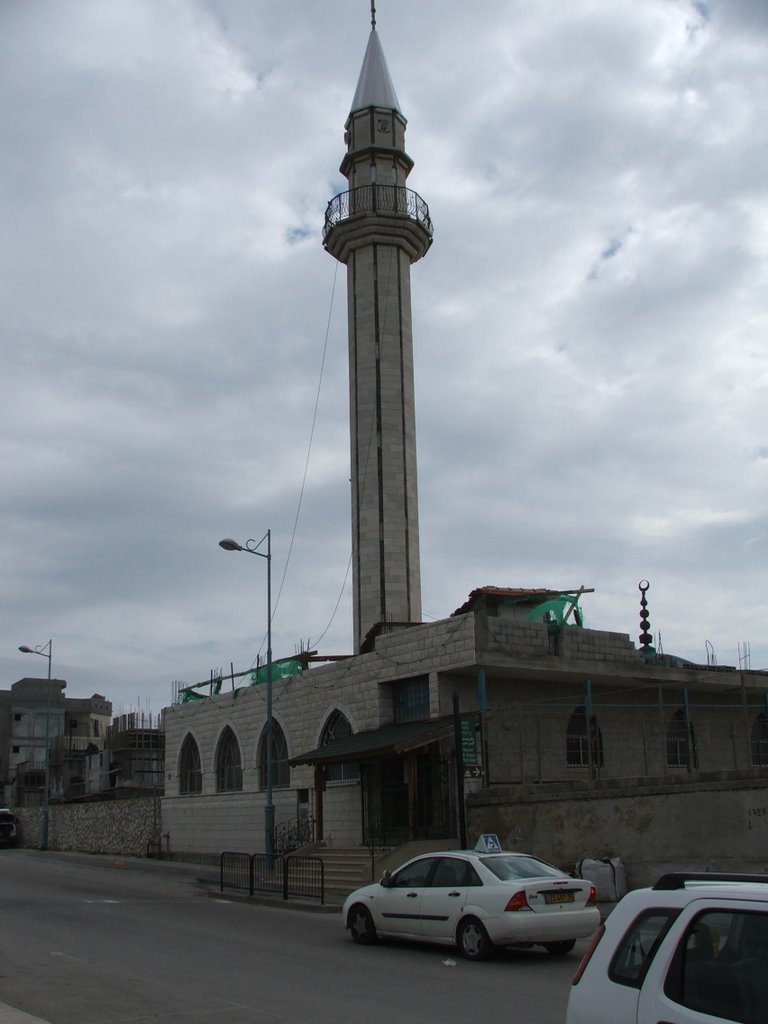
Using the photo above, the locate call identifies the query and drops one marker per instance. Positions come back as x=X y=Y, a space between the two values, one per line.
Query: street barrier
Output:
x=293 y=877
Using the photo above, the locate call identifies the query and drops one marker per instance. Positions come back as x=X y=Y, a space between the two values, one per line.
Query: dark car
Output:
x=8 y=830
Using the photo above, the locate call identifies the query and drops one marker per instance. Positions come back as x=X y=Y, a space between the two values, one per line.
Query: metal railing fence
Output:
x=237 y=869
x=292 y=877
x=304 y=877
x=388 y=199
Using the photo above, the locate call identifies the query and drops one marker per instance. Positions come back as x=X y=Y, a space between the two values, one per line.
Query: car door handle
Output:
x=411 y=895
x=454 y=893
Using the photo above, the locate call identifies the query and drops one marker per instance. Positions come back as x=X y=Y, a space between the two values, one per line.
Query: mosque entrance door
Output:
x=407 y=797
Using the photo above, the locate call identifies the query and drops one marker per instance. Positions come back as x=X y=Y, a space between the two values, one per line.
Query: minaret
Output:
x=378 y=229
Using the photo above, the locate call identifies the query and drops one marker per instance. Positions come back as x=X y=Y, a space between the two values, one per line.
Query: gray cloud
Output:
x=589 y=324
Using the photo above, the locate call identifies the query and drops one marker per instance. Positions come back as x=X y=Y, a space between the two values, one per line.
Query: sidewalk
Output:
x=332 y=904
x=8 y=1015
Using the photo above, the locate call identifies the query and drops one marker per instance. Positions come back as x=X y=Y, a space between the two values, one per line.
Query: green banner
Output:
x=282 y=669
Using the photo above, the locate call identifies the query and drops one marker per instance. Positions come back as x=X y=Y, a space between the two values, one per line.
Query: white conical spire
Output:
x=374 y=87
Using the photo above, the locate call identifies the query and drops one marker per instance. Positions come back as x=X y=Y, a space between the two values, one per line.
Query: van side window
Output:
x=721 y=965
x=637 y=949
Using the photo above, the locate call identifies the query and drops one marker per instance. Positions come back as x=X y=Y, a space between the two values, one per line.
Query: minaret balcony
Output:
x=375 y=210
x=377 y=199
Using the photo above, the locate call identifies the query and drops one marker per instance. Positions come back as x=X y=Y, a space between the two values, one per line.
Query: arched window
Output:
x=338 y=728
x=760 y=740
x=681 y=742
x=190 y=772
x=281 y=770
x=583 y=741
x=229 y=768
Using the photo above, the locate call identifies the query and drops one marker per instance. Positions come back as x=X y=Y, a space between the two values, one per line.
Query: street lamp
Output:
x=45 y=651
x=251 y=547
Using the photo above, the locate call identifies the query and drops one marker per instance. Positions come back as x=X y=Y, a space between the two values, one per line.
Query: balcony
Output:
x=377 y=199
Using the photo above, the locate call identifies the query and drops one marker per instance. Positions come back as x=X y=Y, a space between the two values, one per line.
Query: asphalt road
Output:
x=98 y=940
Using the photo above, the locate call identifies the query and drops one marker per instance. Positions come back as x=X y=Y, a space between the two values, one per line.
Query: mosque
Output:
x=389 y=745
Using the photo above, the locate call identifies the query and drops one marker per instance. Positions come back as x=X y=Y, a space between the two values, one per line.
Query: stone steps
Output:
x=345 y=869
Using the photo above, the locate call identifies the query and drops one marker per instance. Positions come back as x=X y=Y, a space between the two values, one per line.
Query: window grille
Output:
x=190 y=772
x=338 y=728
x=681 y=742
x=759 y=740
x=583 y=741
x=281 y=771
x=411 y=699
x=229 y=769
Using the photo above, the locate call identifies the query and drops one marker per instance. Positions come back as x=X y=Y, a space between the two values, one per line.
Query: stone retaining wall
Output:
x=719 y=822
x=127 y=827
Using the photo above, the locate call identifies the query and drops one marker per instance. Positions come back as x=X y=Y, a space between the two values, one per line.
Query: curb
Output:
x=267 y=900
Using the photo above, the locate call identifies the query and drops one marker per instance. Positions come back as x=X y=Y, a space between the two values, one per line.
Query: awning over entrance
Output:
x=388 y=741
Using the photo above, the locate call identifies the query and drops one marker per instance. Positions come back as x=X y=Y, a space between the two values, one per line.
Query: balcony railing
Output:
x=294 y=834
x=377 y=199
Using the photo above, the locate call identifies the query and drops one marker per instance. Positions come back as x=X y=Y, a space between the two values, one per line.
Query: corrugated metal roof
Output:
x=386 y=741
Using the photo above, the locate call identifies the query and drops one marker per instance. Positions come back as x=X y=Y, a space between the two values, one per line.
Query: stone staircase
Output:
x=345 y=869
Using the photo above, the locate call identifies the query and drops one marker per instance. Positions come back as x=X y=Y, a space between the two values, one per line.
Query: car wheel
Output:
x=560 y=948
x=473 y=941
x=360 y=924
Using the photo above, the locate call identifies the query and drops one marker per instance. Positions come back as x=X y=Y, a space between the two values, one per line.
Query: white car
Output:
x=691 y=950
x=476 y=901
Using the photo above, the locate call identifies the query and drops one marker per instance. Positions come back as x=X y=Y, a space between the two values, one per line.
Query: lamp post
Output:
x=251 y=547
x=45 y=651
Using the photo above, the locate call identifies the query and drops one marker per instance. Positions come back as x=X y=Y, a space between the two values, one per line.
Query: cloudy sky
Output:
x=589 y=325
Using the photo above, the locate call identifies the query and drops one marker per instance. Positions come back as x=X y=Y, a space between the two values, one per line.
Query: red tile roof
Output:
x=522 y=594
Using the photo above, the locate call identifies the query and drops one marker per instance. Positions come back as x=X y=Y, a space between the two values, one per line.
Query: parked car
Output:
x=8 y=832
x=476 y=901
x=690 y=950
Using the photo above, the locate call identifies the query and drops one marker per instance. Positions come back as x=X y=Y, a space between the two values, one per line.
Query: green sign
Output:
x=469 y=751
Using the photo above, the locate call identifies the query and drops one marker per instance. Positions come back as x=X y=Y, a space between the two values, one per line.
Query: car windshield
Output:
x=511 y=868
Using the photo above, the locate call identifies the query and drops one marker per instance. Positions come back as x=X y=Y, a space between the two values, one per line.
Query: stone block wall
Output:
x=342 y=811
x=511 y=637
x=210 y=824
x=127 y=827
x=717 y=822
x=505 y=634
x=597 y=645
x=301 y=705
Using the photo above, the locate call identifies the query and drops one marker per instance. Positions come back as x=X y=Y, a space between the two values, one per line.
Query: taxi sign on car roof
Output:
x=488 y=843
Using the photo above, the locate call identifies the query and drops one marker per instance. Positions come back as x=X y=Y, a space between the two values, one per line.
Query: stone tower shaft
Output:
x=378 y=228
